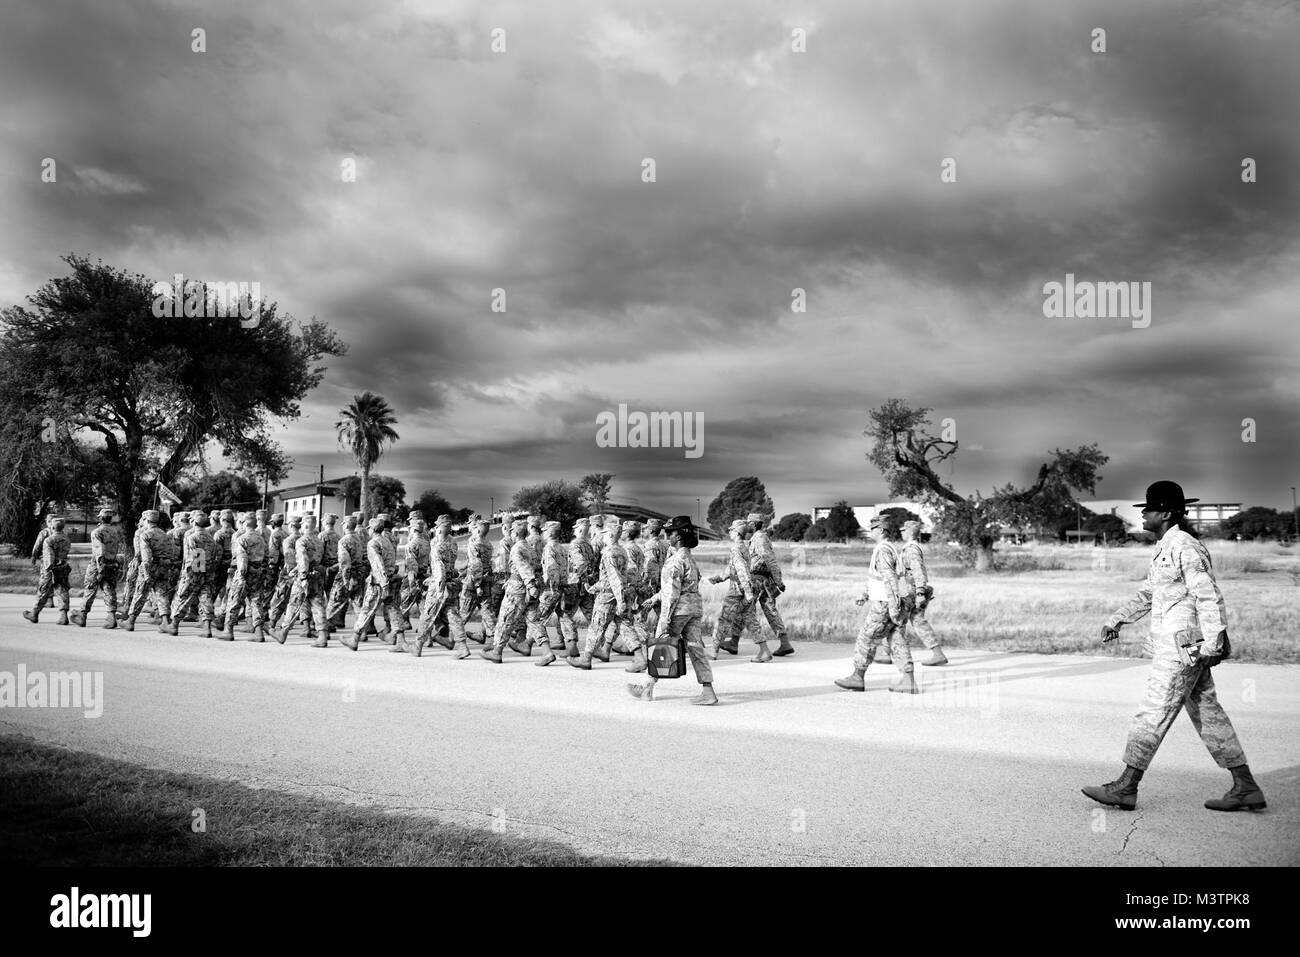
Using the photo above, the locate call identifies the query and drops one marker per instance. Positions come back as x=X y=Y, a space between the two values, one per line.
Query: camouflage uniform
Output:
x=635 y=580
x=274 y=561
x=584 y=570
x=157 y=559
x=383 y=584
x=350 y=578
x=1185 y=604
x=223 y=559
x=104 y=568
x=887 y=612
x=55 y=569
x=916 y=582
x=132 y=574
x=520 y=594
x=496 y=587
x=478 y=575
x=246 y=584
x=656 y=551
x=442 y=593
x=416 y=571
x=329 y=556
x=737 y=613
x=38 y=549
x=196 y=574
x=766 y=573
x=286 y=572
x=306 y=594
x=613 y=590
x=554 y=577
x=681 y=609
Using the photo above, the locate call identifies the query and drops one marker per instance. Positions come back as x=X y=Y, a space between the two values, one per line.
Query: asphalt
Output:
x=983 y=767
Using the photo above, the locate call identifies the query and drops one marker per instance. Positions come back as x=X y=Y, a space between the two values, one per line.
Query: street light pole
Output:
x=697 y=510
x=1295 y=513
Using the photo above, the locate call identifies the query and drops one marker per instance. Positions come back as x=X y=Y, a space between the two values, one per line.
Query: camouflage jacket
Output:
x=351 y=555
x=418 y=549
x=883 y=573
x=613 y=572
x=106 y=543
x=248 y=548
x=307 y=555
x=1181 y=595
x=156 y=548
x=635 y=563
x=522 y=569
x=382 y=556
x=480 y=562
x=197 y=549
x=742 y=583
x=762 y=558
x=55 y=549
x=555 y=565
x=329 y=548
x=915 y=575
x=679 y=588
x=584 y=567
x=225 y=539
x=442 y=564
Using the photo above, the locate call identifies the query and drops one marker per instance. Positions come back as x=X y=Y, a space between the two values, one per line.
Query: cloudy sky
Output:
x=775 y=169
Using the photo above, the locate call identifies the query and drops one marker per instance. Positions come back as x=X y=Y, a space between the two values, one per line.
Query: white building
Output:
x=865 y=513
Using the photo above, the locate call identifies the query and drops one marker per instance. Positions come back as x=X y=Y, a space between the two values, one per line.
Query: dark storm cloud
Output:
x=776 y=170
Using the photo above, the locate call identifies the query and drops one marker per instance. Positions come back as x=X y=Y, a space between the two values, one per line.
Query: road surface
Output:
x=984 y=767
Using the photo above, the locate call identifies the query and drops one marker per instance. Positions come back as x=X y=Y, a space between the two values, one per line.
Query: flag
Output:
x=167 y=495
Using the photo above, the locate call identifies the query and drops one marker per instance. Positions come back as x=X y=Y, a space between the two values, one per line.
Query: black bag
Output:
x=667 y=659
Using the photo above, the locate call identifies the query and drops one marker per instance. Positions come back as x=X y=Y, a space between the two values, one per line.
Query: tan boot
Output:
x=79 y=618
x=462 y=650
x=63 y=618
x=638 y=664
x=855 y=681
x=763 y=656
x=602 y=651
x=937 y=657
x=547 y=658
x=492 y=654
x=706 y=696
x=906 y=682
x=33 y=616
x=583 y=661
x=110 y=623
x=646 y=692
x=1120 y=793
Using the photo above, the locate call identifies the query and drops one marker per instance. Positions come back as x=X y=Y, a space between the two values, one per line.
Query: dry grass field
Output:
x=1043 y=598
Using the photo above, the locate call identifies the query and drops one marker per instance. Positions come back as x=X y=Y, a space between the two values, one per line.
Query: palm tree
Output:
x=365 y=428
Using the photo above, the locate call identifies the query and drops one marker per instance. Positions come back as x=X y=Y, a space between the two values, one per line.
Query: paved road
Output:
x=983 y=768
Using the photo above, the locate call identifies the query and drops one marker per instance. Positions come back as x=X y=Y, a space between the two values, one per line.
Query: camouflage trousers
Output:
x=413 y=593
x=194 y=586
x=920 y=626
x=1171 y=687
x=100 y=574
x=280 y=597
x=246 y=588
x=348 y=589
x=306 y=602
x=53 y=582
x=221 y=582
x=736 y=616
x=379 y=600
x=575 y=599
x=132 y=575
x=688 y=627
x=767 y=604
x=550 y=604
x=471 y=600
x=516 y=609
x=628 y=624
x=877 y=626
x=494 y=596
x=441 y=606
x=158 y=583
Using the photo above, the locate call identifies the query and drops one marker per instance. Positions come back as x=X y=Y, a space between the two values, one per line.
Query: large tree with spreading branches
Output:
x=906 y=453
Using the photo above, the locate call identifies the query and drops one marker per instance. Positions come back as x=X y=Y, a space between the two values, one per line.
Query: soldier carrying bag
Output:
x=667 y=659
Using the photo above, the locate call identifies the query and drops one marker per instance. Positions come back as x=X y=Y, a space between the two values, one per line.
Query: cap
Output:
x=152 y=515
x=105 y=513
x=1165 y=496
x=551 y=526
x=756 y=517
x=679 y=523
x=443 y=521
x=519 y=525
x=653 y=524
x=632 y=528
x=296 y=520
x=350 y=521
x=739 y=525
x=911 y=524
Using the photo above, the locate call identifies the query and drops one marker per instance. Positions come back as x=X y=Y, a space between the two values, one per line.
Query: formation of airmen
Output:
x=631 y=585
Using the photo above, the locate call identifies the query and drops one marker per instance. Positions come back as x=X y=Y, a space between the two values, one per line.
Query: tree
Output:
x=841 y=524
x=433 y=503
x=792 y=527
x=1258 y=522
x=737 y=499
x=1112 y=527
x=386 y=494
x=906 y=455
x=895 y=517
x=595 y=490
x=220 y=490
x=816 y=531
x=558 y=500
x=365 y=426
x=90 y=354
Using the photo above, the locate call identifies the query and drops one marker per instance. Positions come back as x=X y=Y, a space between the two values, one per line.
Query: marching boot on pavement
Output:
x=1188 y=639
x=1245 y=794
x=1120 y=793
x=886 y=616
x=522 y=587
x=855 y=681
x=54 y=573
x=905 y=683
x=638 y=664
x=615 y=604
x=763 y=655
x=106 y=553
x=440 y=616
x=917 y=579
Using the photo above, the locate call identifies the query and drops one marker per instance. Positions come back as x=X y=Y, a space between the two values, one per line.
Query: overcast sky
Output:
x=775 y=169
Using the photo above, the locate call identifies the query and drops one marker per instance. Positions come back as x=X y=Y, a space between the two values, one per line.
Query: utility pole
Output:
x=1078 y=517
x=492 y=510
x=1295 y=514
x=697 y=511
x=320 y=498
x=266 y=478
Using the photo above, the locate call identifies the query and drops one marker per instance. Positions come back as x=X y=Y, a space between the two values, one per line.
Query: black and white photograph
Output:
x=854 y=434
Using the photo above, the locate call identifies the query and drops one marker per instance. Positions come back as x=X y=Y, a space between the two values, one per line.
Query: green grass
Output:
x=69 y=808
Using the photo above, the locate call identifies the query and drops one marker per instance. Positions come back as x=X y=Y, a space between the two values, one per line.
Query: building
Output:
x=314 y=499
x=1206 y=516
x=865 y=513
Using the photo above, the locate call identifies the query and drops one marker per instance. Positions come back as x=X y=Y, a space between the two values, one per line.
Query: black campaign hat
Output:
x=679 y=523
x=1165 y=497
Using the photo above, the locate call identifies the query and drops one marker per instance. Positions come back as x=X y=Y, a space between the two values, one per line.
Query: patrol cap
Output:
x=376 y=522
x=180 y=517
x=1165 y=496
x=227 y=513
x=152 y=515
x=331 y=518
x=581 y=523
x=519 y=525
x=442 y=521
x=105 y=513
x=912 y=525
x=350 y=522
x=413 y=514
x=534 y=520
x=250 y=519
x=653 y=524
x=57 y=523
x=551 y=526
x=632 y=528
x=296 y=521
x=739 y=525
x=201 y=519
x=877 y=521
x=756 y=517
x=277 y=519
x=597 y=519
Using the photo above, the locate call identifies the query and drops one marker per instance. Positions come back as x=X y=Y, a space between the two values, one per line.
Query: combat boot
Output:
x=219 y=622
x=784 y=649
x=1120 y=793
x=602 y=651
x=706 y=696
x=79 y=619
x=492 y=654
x=937 y=657
x=855 y=681
x=558 y=644
x=883 y=657
x=444 y=640
x=399 y=643
x=638 y=664
x=170 y=626
x=350 y=645
x=323 y=641
x=525 y=649
x=207 y=630
x=571 y=648
x=905 y=683
x=461 y=649
x=1245 y=794
x=763 y=656
x=130 y=623
x=730 y=647
x=619 y=646
x=645 y=692
x=227 y=633
x=417 y=646
x=547 y=658
x=582 y=661
x=110 y=623
x=33 y=616
x=259 y=634
x=63 y=618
